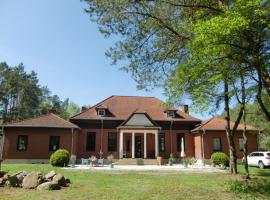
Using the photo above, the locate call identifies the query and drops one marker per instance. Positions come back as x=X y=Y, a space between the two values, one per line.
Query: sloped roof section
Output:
x=139 y=119
x=216 y=123
x=121 y=107
x=50 y=121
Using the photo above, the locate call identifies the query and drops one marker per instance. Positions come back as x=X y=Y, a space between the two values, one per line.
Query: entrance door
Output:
x=138 y=146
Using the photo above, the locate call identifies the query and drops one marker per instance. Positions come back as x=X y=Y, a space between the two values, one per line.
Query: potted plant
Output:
x=93 y=160
x=159 y=160
x=193 y=161
x=171 y=159
x=110 y=159
x=73 y=160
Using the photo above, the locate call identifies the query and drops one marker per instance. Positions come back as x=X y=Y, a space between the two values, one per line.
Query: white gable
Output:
x=139 y=119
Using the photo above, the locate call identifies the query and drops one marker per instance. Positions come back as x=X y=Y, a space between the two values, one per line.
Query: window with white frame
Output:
x=101 y=112
x=217 y=144
x=241 y=144
x=171 y=113
x=22 y=143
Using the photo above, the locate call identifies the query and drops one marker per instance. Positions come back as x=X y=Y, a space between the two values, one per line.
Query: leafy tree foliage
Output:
x=212 y=51
x=22 y=97
x=256 y=118
x=20 y=94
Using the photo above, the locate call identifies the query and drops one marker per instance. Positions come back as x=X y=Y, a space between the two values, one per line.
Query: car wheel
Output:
x=261 y=165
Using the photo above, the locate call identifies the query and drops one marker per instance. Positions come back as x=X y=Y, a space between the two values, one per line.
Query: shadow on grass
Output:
x=255 y=187
x=255 y=171
x=263 y=173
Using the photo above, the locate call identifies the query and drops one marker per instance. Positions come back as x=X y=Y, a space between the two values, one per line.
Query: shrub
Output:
x=220 y=158
x=60 y=158
x=171 y=159
x=236 y=187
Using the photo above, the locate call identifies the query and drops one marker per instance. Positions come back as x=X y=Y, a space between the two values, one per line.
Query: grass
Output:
x=90 y=185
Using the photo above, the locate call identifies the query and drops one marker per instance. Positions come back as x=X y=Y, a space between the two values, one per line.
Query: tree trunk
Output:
x=259 y=95
x=266 y=80
x=243 y=102
x=245 y=146
x=233 y=158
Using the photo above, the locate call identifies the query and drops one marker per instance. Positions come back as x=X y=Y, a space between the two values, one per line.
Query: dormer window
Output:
x=101 y=112
x=171 y=113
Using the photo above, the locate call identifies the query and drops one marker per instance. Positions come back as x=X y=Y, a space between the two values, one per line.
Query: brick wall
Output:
x=208 y=143
x=38 y=142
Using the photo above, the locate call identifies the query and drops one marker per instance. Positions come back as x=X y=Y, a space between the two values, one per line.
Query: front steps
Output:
x=136 y=161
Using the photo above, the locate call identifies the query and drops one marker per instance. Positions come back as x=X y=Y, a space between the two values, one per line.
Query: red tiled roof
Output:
x=121 y=107
x=50 y=121
x=216 y=123
x=101 y=107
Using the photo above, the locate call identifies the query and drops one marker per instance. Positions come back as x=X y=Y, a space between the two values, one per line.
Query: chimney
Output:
x=51 y=111
x=185 y=109
x=84 y=108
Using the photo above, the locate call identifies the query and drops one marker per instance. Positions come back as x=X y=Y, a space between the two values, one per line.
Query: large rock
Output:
x=48 y=186
x=13 y=181
x=20 y=176
x=50 y=175
x=67 y=180
x=60 y=180
x=32 y=180
x=4 y=179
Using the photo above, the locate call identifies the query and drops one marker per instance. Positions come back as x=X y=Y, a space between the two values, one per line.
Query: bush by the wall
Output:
x=220 y=158
x=60 y=158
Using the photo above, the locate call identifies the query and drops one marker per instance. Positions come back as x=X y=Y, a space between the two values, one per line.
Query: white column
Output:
x=133 y=145
x=156 y=144
x=121 y=145
x=145 y=147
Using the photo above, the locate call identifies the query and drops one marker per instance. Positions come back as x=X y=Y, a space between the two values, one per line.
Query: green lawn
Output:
x=89 y=185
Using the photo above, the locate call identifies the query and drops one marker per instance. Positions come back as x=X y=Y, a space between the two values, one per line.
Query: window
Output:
x=254 y=154
x=180 y=138
x=171 y=113
x=217 y=144
x=112 y=142
x=22 y=143
x=101 y=112
x=91 y=142
x=241 y=144
x=54 y=143
x=161 y=142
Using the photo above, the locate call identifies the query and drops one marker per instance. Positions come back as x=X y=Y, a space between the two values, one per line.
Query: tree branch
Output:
x=193 y=6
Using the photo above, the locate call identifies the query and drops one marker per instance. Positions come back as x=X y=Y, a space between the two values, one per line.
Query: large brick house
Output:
x=125 y=126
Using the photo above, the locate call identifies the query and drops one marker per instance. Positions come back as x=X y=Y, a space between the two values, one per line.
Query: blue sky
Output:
x=56 y=39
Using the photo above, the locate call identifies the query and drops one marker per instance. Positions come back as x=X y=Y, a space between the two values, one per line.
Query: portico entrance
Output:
x=138 y=143
x=134 y=132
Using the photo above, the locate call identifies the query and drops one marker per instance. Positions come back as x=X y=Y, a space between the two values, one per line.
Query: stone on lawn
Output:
x=4 y=179
x=60 y=180
x=13 y=181
x=50 y=175
x=48 y=186
x=32 y=180
x=67 y=180
x=21 y=176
